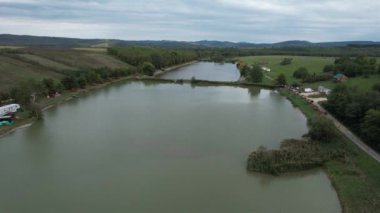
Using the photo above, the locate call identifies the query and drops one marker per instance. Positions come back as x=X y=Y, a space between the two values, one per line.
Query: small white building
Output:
x=308 y=90
x=324 y=90
x=265 y=69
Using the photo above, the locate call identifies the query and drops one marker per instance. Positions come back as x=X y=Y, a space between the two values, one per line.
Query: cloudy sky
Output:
x=190 y=20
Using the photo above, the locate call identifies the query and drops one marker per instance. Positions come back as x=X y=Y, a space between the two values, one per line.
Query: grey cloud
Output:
x=242 y=20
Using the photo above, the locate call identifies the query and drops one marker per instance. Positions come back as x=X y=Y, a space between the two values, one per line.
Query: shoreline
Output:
x=70 y=95
x=173 y=68
x=353 y=179
x=67 y=96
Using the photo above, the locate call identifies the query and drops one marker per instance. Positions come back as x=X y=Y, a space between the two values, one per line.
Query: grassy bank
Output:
x=357 y=177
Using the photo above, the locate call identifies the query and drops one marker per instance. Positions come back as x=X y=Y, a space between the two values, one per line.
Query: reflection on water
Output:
x=137 y=147
x=254 y=91
x=205 y=71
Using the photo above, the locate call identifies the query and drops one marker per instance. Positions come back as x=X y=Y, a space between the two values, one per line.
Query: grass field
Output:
x=361 y=83
x=357 y=180
x=313 y=64
x=80 y=59
x=24 y=64
x=10 y=47
x=46 y=62
x=13 y=71
x=93 y=49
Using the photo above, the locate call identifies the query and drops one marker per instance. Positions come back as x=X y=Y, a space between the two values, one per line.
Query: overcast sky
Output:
x=190 y=20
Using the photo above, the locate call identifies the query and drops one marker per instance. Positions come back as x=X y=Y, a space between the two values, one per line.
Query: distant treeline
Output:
x=159 y=57
x=302 y=51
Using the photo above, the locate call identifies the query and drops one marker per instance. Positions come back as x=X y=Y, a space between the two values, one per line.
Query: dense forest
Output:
x=159 y=57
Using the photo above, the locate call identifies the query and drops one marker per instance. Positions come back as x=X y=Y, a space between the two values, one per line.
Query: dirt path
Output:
x=268 y=77
x=356 y=140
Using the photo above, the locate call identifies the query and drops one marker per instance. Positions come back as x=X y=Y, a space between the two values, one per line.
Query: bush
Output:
x=147 y=68
x=322 y=129
x=316 y=78
x=281 y=80
x=301 y=73
x=328 y=68
x=286 y=61
x=293 y=155
x=376 y=87
x=36 y=112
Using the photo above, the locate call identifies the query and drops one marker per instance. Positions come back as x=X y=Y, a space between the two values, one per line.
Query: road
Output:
x=356 y=140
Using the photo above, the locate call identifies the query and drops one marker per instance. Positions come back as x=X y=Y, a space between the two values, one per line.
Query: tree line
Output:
x=357 y=110
x=158 y=57
x=351 y=67
x=28 y=93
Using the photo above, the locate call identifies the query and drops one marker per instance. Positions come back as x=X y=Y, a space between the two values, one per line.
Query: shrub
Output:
x=147 y=68
x=301 y=73
x=321 y=129
x=281 y=80
x=286 y=61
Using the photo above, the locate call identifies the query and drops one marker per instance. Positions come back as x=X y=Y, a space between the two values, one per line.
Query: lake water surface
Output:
x=205 y=71
x=146 y=147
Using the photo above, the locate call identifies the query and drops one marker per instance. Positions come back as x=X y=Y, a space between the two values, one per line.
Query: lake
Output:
x=140 y=146
x=205 y=71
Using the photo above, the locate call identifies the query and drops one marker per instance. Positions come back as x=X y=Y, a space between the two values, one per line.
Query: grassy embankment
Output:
x=314 y=64
x=356 y=178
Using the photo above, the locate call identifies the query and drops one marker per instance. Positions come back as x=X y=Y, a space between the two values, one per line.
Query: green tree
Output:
x=147 y=68
x=82 y=82
x=93 y=77
x=328 y=68
x=36 y=111
x=338 y=100
x=243 y=68
x=371 y=128
x=69 y=82
x=255 y=74
x=322 y=129
x=281 y=80
x=301 y=73
x=49 y=84
x=376 y=87
x=286 y=61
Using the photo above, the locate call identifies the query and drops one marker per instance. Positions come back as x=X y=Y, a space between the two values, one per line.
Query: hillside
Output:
x=23 y=64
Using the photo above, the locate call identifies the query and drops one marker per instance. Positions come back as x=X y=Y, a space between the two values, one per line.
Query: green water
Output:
x=137 y=147
x=205 y=71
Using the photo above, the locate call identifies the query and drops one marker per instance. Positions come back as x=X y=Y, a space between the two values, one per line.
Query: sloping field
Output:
x=13 y=71
x=24 y=64
x=80 y=59
x=46 y=62
x=107 y=60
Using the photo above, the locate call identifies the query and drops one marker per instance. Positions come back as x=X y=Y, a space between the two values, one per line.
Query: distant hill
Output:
x=58 y=42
